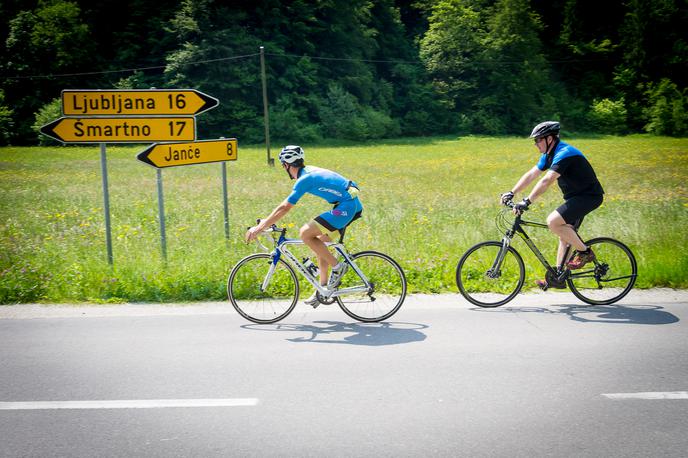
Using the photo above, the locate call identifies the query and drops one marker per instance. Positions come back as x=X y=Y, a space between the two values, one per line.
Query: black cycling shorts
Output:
x=575 y=208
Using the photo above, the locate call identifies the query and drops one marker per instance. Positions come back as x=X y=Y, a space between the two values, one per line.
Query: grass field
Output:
x=426 y=201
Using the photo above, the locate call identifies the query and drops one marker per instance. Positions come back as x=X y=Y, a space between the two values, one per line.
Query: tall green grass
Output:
x=426 y=201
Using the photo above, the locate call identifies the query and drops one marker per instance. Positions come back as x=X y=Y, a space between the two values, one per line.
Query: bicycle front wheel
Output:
x=609 y=278
x=486 y=282
x=260 y=293
x=386 y=291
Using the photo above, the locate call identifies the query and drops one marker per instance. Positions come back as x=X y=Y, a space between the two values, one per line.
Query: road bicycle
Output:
x=492 y=273
x=264 y=287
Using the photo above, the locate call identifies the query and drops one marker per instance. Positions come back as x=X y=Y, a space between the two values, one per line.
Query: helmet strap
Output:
x=549 y=144
x=288 y=170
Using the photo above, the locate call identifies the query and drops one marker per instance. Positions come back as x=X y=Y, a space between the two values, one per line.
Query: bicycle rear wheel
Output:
x=484 y=286
x=387 y=288
x=609 y=278
x=260 y=301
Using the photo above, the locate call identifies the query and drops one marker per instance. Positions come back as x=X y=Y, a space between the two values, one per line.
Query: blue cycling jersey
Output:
x=561 y=152
x=577 y=176
x=323 y=183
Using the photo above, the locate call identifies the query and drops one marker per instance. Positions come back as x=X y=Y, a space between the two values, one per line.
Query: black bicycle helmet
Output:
x=545 y=128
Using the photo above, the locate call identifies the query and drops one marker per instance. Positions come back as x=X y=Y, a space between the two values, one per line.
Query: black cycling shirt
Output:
x=577 y=176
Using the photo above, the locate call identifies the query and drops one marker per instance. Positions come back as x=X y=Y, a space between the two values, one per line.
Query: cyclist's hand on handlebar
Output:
x=521 y=206
x=506 y=197
x=251 y=234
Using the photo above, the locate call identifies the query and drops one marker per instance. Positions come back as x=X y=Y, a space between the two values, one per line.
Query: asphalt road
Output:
x=543 y=376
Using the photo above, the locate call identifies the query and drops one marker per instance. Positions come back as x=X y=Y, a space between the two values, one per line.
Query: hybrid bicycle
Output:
x=264 y=287
x=492 y=273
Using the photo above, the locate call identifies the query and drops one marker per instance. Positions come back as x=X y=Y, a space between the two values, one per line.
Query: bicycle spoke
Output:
x=262 y=292
x=480 y=284
x=612 y=277
x=384 y=293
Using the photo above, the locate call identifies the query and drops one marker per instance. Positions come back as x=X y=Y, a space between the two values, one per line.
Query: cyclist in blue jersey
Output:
x=582 y=192
x=327 y=185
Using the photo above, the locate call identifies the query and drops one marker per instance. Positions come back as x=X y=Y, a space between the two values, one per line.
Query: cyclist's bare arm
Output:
x=545 y=182
x=526 y=179
x=277 y=214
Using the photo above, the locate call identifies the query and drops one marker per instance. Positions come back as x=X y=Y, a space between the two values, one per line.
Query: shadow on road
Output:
x=336 y=332
x=616 y=314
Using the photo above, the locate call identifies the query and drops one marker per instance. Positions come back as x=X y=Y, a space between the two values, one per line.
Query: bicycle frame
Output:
x=517 y=228
x=281 y=249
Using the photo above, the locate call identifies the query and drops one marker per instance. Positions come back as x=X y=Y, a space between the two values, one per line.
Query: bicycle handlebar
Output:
x=270 y=232
x=511 y=204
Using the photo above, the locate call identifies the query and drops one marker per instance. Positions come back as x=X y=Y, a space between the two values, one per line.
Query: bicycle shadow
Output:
x=612 y=314
x=367 y=334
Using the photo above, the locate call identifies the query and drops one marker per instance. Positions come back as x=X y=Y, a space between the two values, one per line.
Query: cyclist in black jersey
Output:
x=582 y=192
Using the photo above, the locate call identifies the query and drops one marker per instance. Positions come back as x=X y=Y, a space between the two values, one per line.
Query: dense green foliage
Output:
x=426 y=202
x=356 y=69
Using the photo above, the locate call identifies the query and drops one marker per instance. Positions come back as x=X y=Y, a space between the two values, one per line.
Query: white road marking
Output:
x=128 y=404
x=649 y=395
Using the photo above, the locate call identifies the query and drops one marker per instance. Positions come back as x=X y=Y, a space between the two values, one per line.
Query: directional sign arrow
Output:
x=173 y=154
x=151 y=102
x=121 y=130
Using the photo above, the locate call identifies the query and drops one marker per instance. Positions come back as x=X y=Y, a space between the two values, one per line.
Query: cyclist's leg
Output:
x=571 y=215
x=314 y=235
x=562 y=251
x=563 y=221
x=336 y=221
x=566 y=233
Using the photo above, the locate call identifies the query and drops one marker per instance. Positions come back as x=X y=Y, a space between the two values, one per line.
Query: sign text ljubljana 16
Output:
x=151 y=102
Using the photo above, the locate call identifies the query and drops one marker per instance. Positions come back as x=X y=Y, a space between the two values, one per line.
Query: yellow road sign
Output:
x=152 y=102
x=121 y=130
x=200 y=152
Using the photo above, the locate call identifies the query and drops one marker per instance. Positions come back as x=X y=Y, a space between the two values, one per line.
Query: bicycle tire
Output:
x=480 y=289
x=263 y=307
x=615 y=267
x=389 y=288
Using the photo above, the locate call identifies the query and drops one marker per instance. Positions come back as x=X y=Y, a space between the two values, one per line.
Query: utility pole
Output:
x=266 y=116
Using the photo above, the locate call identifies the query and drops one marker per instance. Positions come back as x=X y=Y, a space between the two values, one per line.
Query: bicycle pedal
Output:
x=542 y=284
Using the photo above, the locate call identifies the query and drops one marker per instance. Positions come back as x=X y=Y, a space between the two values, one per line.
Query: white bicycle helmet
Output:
x=291 y=154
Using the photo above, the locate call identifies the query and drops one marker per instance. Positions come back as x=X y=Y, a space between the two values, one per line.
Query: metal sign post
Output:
x=225 y=201
x=161 y=215
x=106 y=202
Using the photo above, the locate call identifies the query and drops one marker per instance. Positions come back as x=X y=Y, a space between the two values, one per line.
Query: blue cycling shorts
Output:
x=339 y=217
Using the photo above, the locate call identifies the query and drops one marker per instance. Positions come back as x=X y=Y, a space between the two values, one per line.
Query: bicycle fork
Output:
x=496 y=270
x=271 y=271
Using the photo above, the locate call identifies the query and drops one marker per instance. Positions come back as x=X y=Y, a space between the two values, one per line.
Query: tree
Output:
x=654 y=47
x=667 y=109
x=519 y=90
x=487 y=60
x=6 y=124
x=451 y=50
x=49 y=40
